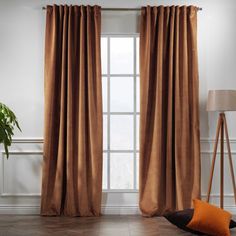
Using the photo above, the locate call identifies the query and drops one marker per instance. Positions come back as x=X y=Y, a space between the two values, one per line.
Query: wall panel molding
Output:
x=210 y=140
x=27 y=154
x=28 y=140
x=40 y=139
x=32 y=146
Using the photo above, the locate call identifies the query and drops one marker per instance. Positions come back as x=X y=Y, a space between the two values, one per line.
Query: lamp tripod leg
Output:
x=222 y=162
x=214 y=157
x=230 y=159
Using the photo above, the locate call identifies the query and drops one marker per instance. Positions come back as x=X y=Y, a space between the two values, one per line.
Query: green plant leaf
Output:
x=8 y=122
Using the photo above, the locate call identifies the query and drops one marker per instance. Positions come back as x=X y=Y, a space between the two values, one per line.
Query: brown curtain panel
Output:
x=169 y=116
x=72 y=167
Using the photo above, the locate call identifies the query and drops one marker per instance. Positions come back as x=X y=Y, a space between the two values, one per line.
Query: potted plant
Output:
x=8 y=122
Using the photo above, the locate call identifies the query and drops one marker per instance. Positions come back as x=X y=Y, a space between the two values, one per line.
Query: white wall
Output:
x=21 y=87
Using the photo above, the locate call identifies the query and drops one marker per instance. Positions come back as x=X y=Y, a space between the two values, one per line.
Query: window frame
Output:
x=134 y=114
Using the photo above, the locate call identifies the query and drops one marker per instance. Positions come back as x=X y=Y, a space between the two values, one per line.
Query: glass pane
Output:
x=137 y=55
x=104 y=94
x=104 y=55
x=104 y=172
x=122 y=55
x=137 y=170
x=122 y=170
x=121 y=93
x=104 y=132
x=137 y=94
x=121 y=137
x=137 y=132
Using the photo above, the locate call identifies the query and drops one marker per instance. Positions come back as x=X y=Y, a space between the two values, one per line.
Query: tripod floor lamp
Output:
x=221 y=101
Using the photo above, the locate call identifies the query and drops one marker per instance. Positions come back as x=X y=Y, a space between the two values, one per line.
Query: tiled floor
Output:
x=91 y=226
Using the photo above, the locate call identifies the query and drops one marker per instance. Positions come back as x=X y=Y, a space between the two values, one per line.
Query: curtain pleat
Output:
x=169 y=115
x=72 y=167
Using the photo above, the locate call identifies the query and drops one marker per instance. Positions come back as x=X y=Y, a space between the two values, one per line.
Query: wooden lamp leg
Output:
x=230 y=158
x=214 y=157
x=222 y=162
x=221 y=128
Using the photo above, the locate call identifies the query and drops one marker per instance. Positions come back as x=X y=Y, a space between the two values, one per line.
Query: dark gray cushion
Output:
x=182 y=218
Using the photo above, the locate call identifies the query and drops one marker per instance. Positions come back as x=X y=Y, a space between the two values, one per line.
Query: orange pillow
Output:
x=210 y=219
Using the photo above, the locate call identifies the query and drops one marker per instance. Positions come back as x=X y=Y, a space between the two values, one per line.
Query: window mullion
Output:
x=135 y=174
x=108 y=114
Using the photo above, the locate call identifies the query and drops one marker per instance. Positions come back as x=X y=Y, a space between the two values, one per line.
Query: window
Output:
x=120 y=82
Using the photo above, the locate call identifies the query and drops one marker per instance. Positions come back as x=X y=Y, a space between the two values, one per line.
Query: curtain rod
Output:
x=123 y=9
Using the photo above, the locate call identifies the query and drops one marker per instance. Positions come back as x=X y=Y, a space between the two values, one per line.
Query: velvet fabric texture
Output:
x=182 y=218
x=72 y=167
x=210 y=219
x=169 y=116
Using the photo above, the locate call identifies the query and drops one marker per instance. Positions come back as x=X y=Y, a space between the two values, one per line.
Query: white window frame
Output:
x=108 y=114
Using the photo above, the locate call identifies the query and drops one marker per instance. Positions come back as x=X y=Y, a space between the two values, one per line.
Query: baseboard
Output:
x=106 y=210
x=231 y=209
x=19 y=210
x=35 y=210
x=121 y=210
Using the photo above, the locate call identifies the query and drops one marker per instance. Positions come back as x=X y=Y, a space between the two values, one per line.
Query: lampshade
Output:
x=221 y=100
